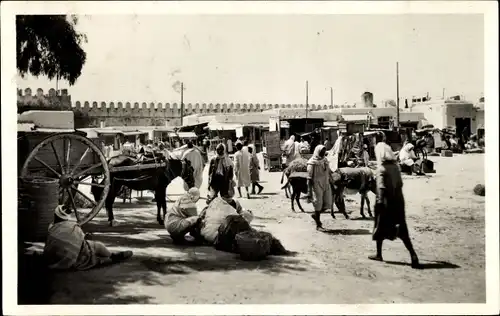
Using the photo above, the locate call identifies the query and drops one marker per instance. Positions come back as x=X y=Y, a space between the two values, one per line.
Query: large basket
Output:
x=37 y=199
x=253 y=245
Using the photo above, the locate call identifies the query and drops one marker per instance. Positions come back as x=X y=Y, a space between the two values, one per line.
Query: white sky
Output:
x=268 y=58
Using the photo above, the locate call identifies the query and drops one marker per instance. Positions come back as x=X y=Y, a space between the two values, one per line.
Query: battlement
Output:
x=93 y=113
x=190 y=108
x=56 y=99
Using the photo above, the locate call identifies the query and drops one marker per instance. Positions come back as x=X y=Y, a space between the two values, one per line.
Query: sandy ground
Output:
x=446 y=223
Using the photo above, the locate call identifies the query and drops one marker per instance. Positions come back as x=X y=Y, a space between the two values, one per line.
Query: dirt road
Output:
x=446 y=223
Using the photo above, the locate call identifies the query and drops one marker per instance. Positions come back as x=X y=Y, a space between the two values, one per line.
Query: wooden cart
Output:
x=72 y=159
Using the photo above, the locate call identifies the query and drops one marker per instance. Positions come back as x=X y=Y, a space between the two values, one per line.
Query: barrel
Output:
x=37 y=199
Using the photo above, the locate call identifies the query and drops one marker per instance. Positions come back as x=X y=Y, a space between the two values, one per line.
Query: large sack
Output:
x=232 y=225
x=254 y=245
x=298 y=165
x=213 y=216
x=257 y=245
x=480 y=190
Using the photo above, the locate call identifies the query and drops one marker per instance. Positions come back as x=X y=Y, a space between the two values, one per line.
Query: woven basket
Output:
x=253 y=245
x=37 y=200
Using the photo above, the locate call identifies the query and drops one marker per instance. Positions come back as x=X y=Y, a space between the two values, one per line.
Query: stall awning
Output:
x=192 y=126
x=216 y=126
x=182 y=134
x=370 y=133
x=108 y=132
x=162 y=129
x=355 y=117
x=30 y=127
x=134 y=133
x=257 y=125
x=331 y=124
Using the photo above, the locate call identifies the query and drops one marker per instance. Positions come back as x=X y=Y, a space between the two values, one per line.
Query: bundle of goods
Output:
x=446 y=153
x=231 y=226
x=480 y=190
x=298 y=165
x=253 y=245
x=257 y=245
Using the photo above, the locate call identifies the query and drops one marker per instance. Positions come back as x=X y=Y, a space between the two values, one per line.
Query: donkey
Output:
x=344 y=181
x=154 y=179
x=353 y=181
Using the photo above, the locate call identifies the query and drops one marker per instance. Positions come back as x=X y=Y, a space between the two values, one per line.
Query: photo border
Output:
x=9 y=185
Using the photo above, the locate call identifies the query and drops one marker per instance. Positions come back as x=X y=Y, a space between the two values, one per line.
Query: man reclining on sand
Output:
x=68 y=248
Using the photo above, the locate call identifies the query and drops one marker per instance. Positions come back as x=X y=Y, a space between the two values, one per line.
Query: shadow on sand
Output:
x=368 y=219
x=156 y=262
x=349 y=232
x=428 y=264
x=258 y=197
x=269 y=193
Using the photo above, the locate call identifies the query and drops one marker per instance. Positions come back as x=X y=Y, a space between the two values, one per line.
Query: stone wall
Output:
x=91 y=113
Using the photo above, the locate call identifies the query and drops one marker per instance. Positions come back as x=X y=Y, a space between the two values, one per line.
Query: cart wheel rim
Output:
x=72 y=170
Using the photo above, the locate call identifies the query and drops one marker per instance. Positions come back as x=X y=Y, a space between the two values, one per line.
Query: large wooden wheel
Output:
x=81 y=159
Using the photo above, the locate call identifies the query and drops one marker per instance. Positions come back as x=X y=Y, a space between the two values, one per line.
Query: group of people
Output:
x=246 y=170
x=390 y=221
x=223 y=223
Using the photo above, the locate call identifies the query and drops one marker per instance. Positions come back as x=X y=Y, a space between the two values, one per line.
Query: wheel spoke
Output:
x=67 y=154
x=80 y=161
x=87 y=170
x=57 y=157
x=82 y=194
x=47 y=166
x=72 y=198
x=89 y=183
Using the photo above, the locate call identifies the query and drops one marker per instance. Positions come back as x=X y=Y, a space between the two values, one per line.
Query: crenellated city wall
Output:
x=91 y=114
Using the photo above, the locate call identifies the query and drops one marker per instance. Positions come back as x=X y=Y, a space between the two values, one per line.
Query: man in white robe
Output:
x=194 y=156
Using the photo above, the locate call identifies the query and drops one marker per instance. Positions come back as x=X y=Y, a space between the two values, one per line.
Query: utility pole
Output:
x=307 y=99
x=443 y=92
x=182 y=102
x=397 y=94
x=331 y=96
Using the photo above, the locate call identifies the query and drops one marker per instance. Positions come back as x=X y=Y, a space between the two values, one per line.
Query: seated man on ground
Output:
x=182 y=217
x=68 y=247
x=408 y=160
x=214 y=214
x=455 y=146
x=472 y=145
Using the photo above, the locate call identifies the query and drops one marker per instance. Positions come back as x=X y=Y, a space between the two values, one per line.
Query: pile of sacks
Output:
x=297 y=165
x=228 y=228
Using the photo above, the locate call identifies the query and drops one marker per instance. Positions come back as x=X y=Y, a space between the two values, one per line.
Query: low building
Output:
x=442 y=113
x=376 y=116
x=479 y=120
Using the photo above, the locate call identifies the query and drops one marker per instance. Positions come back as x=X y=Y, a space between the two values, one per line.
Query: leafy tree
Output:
x=49 y=45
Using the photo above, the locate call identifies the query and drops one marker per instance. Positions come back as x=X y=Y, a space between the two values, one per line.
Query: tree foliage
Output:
x=49 y=45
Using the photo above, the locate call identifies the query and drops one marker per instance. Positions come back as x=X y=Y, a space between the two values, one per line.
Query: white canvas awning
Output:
x=132 y=133
x=216 y=126
x=108 y=131
x=284 y=124
x=182 y=134
x=354 y=117
x=331 y=124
